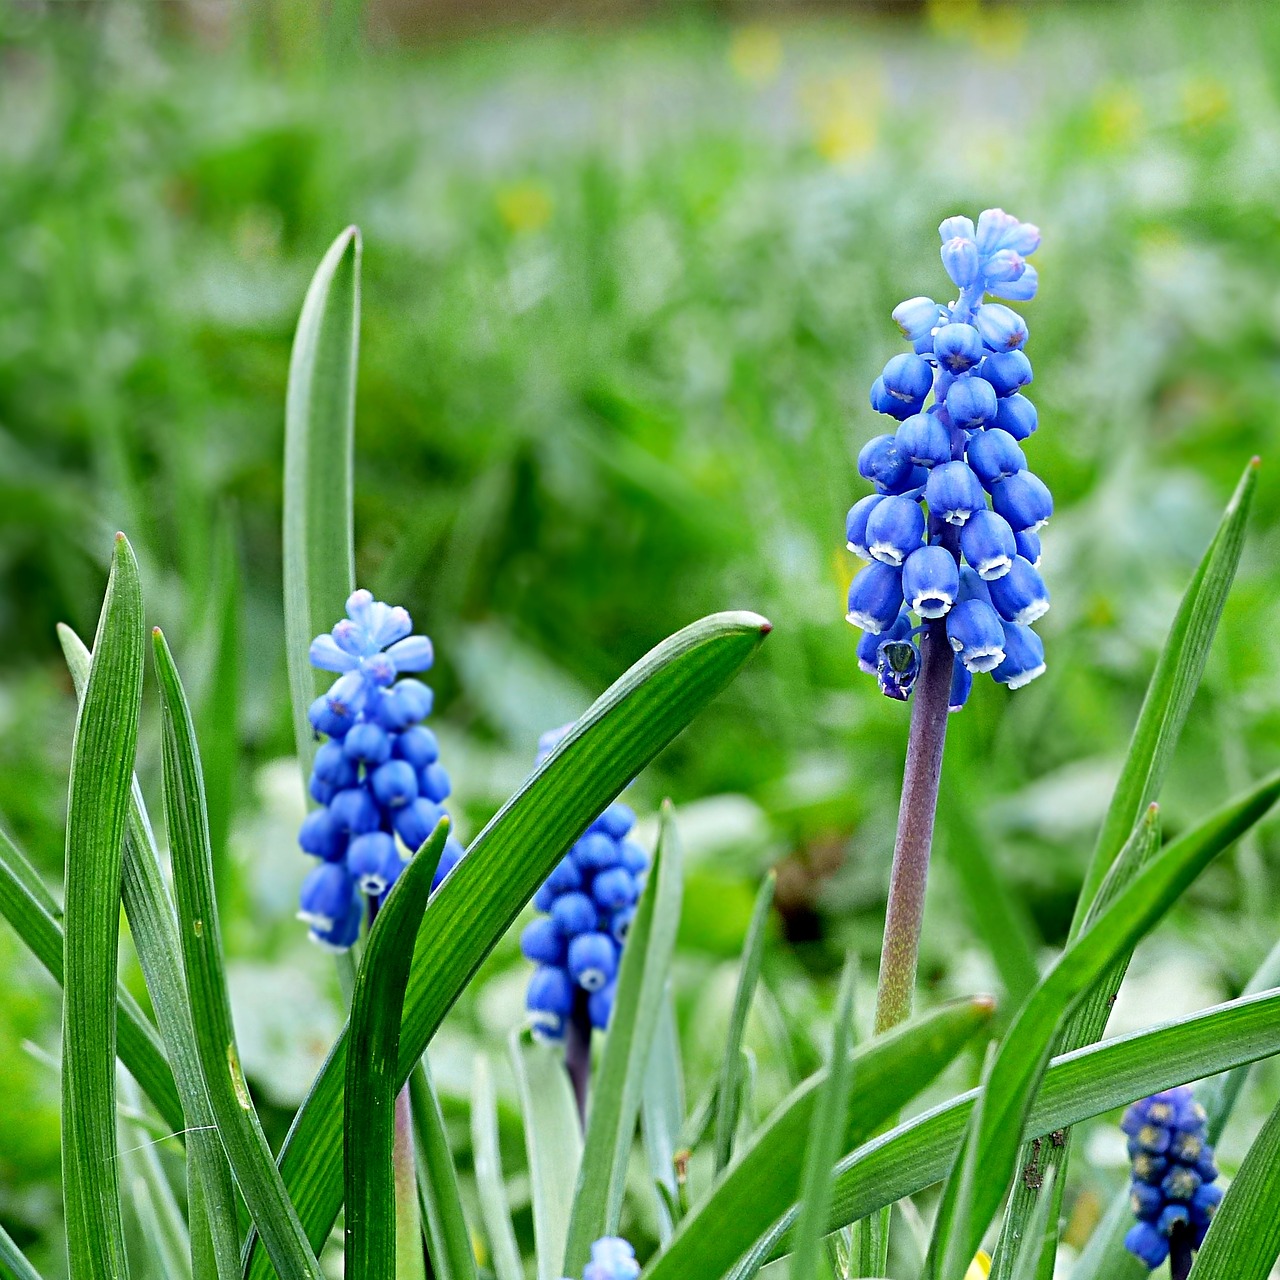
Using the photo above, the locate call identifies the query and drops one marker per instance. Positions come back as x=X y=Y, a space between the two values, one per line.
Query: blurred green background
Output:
x=627 y=277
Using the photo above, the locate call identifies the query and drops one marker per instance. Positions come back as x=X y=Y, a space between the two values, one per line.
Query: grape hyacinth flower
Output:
x=612 y=1258
x=951 y=482
x=1172 y=1190
x=378 y=779
x=586 y=906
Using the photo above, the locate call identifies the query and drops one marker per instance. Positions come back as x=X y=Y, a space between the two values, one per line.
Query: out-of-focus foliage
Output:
x=624 y=291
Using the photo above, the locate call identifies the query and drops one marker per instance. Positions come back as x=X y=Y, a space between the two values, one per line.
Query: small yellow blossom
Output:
x=524 y=206
x=755 y=54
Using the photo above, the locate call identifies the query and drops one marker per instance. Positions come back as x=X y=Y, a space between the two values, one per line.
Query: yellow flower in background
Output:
x=999 y=31
x=979 y=1268
x=1205 y=102
x=524 y=206
x=846 y=116
x=755 y=54
x=953 y=17
x=1119 y=118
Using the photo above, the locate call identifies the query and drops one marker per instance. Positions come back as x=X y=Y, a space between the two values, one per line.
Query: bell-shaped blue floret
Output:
x=875 y=596
x=320 y=792
x=616 y=821
x=1020 y=595
x=341 y=935
x=1146 y=1244
x=1023 y=499
x=612 y=1258
x=595 y=851
x=321 y=836
x=994 y=456
x=335 y=721
x=1172 y=1217
x=1023 y=289
x=1028 y=544
x=600 y=1006
x=870 y=641
x=1024 y=657
x=394 y=784
x=988 y=544
x=999 y=230
x=368 y=860
x=593 y=960
x=1180 y=1183
x=894 y=530
x=972 y=587
x=1002 y=328
x=418 y=746
x=958 y=347
x=916 y=317
x=614 y=889
x=961 y=685
x=634 y=858
x=368 y=744
x=908 y=378
x=620 y=924
x=332 y=765
x=325 y=896
x=1002 y=267
x=882 y=401
x=354 y=812
x=549 y=1002
x=960 y=261
x=855 y=524
x=882 y=462
x=897 y=666
x=451 y=855
x=574 y=914
x=954 y=493
x=433 y=782
x=1205 y=1202
x=930 y=581
x=976 y=636
x=957 y=225
x=1145 y=1201
x=1007 y=372
x=1017 y=415
x=910 y=486
x=971 y=402
x=925 y=439
x=415 y=822
x=543 y=943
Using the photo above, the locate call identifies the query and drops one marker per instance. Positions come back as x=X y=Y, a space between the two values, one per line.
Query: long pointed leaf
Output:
x=504 y=1254
x=97 y=808
x=228 y=1093
x=372 y=1066
x=625 y=728
x=765 y=1176
x=319 y=430
x=15 y=1259
x=1173 y=686
x=1024 y=1053
x=633 y=1025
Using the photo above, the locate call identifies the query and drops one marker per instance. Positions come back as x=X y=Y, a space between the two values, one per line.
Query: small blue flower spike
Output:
x=952 y=529
x=586 y=905
x=612 y=1259
x=378 y=780
x=1172 y=1191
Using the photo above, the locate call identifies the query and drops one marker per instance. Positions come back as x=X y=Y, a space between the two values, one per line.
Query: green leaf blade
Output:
x=106 y=740
x=504 y=1254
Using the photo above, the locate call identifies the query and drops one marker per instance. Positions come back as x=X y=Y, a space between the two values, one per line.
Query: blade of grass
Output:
x=1037 y=1233
x=1173 y=686
x=372 y=1065
x=242 y=1137
x=553 y=1141
x=451 y=1249
x=1244 y=1238
x=625 y=728
x=154 y=929
x=1023 y=1055
x=15 y=1259
x=830 y=1120
x=764 y=1178
x=633 y=1025
x=1085 y=1025
x=748 y=977
x=319 y=431
x=662 y=1115
x=106 y=739
x=504 y=1254
x=36 y=921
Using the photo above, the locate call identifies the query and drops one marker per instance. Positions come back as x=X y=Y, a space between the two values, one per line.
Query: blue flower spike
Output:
x=951 y=530
x=612 y=1259
x=1172 y=1189
x=586 y=906
x=378 y=779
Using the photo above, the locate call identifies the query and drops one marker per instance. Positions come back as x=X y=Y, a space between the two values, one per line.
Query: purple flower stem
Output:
x=577 y=1053
x=1180 y=1255
x=909 y=878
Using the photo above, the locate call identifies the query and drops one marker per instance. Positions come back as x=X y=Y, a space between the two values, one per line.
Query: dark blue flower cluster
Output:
x=612 y=1259
x=1173 y=1173
x=975 y=564
x=378 y=779
x=588 y=903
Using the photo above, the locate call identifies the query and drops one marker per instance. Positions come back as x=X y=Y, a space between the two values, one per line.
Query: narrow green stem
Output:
x=907 y=883
x=410 y=1250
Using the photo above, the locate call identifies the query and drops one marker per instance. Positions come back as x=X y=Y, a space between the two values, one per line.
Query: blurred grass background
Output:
x=627 y=278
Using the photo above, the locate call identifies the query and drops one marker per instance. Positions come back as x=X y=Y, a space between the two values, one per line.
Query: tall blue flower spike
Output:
x=586 y=905
x=612 y=1259
x=378 y=779
x=952 y=529
x=1172 y=1191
